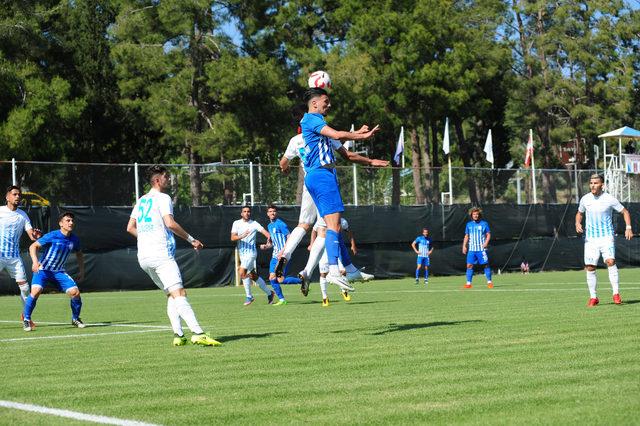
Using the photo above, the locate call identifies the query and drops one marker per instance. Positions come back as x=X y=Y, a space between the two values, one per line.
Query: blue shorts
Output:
x=423 y=261
x=477 y=257
x=323 y=187
x=60 y=278
x=272 y=267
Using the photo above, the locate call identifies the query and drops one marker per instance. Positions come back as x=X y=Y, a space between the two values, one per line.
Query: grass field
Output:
x=528 y=351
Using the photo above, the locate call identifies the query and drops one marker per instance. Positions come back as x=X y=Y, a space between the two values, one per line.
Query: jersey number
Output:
x=144 y=208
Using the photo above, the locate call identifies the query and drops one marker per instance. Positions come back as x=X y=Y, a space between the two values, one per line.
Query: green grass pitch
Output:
x=527 y=352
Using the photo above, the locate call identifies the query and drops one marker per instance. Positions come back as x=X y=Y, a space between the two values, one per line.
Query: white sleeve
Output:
x=27 y=221
x=165 y=206
x=581 y=208
x=257 y=227
x=234 y=227
x=292 y=149
x=616 y=205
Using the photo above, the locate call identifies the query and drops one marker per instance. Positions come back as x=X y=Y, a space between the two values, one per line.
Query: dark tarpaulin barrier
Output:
x=383 y=235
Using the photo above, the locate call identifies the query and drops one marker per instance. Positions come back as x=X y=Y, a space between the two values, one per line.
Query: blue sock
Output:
x=344 y=252
x=76 y=305
x=332 y=245
x=469 y=275
x=276 y=287
x=426 y=274
x=417 y=273
x=29 y=306
x=292 y=280
x=487 y=272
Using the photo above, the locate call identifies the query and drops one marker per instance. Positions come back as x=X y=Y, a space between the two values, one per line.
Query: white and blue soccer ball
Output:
x=320 y=80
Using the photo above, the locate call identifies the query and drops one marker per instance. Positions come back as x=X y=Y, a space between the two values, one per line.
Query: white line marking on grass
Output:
x=96 y=324
x=495 y=289
x=72 y=414
x=70 y=336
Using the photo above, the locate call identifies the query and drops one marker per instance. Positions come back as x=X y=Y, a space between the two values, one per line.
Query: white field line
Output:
x=72 y=414
x=73 y=336
x=98 y=324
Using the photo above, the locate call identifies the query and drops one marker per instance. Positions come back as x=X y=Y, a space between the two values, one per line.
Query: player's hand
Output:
x=378 y=163
x=354 y=249
x=371 y=132
x=579 y=229
x=464 y=250
x=363 y=129
x=196 y=244
x=37 y=233
x=309 y=247
x=245 y=234
x=285 y=169
x=628 y=234
x=35 y=267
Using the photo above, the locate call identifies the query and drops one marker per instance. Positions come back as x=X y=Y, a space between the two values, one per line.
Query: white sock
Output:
x=184 y=309
x=263 y=286
x=323 y=287
x=614 y=278
x=246 y=282
x=591 y=283
x=24 y=292
x=350 y=268
x=317 y=250
x=174 y=316
x=292 y=242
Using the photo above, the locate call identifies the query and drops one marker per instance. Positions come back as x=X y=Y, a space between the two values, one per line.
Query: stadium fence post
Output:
x=236 y=262
x=13 y=171
x=136 y=180
x=355 y=185
x=251 y=180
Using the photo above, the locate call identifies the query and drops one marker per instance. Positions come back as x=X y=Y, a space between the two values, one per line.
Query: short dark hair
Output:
x=312 y=93
x=155 y=170
x=424 y=228
x=12 y=187
x=272 y=206
x=597 y=176
x=245 y=207
x=65 y=214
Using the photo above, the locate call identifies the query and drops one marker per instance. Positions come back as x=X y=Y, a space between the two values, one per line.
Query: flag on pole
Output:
x=445 y=141
x=348 y=144
x=488 y=148
x=529 y=152
x=399 y=147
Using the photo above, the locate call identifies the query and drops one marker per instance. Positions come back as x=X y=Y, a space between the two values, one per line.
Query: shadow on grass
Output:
x=630 y=302
x=392 y=328
x=224 y=339
x=338 y=300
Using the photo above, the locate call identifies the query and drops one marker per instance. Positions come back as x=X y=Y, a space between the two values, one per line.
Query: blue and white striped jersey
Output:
x=155 y=240
x=247 y=245
x=598 y=214
x=317 y=152
x=12 y=223
x=424 y=245
x=56 y=248
x=477 y=232
x=278 y=231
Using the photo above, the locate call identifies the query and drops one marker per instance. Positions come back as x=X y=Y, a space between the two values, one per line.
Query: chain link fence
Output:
x=95 y=184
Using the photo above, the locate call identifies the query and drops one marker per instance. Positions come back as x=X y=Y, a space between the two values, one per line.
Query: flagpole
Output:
x=493 y=185
x=533 y=171
x=450 y=183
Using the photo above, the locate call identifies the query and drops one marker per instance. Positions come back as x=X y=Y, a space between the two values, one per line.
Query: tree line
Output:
x=201 y=81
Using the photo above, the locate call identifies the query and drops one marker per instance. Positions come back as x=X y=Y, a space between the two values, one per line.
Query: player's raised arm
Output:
x=348 y=136
x=359 y=159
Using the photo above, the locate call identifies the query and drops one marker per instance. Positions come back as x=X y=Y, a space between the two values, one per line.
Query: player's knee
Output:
x=590 y=268
x=272 y=276
x=469 y=266
x=610 y=262
x=305 y=226
x=73 y=292
x=35 y=291
x=253 y=275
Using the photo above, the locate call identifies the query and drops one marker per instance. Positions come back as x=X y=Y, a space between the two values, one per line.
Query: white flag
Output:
x=399 y=147
x=445 y=141
x=488 y=148
x=348 y=144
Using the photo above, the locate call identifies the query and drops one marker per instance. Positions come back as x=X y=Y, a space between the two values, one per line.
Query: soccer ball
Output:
x=320 y=79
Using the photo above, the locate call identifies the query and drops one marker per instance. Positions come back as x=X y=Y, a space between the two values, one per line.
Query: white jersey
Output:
x=247 y=245
x=296 y=146
x=598 y=214
x=155 y=240
x=12 y=223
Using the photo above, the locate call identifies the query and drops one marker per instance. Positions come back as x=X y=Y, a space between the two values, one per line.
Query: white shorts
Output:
x=164 y=273
x=323 y=265
x=596 y=247
x=248 y=262
x=320 y=223
x=308 y=210
x=14 y=267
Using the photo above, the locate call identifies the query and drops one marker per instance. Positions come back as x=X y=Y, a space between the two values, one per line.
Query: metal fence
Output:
x=100 y=184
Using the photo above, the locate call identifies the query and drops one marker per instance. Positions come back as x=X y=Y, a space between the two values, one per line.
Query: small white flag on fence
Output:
x=399 y=147
x=488 y=148
x=445 y=140
x=348 y=144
